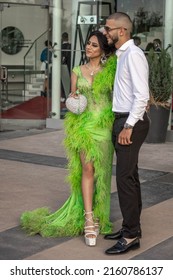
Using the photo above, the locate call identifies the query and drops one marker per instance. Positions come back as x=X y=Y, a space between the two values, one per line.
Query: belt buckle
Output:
x=117 y=115
x=121 y=115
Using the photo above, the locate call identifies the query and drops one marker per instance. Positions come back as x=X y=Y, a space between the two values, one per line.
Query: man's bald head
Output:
x=123 y=20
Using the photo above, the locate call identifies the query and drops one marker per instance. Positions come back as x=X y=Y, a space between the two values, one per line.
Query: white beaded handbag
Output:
x=76 y=103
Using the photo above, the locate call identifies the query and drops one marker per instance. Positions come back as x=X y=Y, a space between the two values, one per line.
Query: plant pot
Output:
x=159 y=117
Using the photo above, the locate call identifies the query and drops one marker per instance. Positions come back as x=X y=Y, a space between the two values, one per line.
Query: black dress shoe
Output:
x=119 y=234
x=122 y=247
x=114 y=236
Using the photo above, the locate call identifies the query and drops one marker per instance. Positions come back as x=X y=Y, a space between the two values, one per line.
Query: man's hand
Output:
x=125 y=136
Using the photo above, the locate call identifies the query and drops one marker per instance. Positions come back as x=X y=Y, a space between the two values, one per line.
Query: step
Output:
x=35 y=87
x=31 y=93
x=156 y=28
x=158 y=35
x=37 y=80
x=144 y=39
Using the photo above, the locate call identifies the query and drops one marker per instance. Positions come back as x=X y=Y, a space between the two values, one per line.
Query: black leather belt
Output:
x=121 y=115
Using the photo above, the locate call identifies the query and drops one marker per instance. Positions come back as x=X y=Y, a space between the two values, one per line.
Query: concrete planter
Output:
x=159 y=117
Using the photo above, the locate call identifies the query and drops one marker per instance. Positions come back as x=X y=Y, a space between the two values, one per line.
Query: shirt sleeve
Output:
x=138 y=68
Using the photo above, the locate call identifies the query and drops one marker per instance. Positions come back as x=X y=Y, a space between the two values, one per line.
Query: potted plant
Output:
x=161 y=86
x=143 y=20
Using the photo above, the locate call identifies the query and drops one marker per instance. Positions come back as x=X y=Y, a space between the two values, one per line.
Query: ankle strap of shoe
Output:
x=88 y=212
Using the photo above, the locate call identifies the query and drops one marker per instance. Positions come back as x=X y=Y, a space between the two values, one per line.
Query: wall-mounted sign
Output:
x=87 y=19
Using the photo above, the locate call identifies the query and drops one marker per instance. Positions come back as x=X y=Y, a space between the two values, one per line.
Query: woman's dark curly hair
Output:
x=103 y=43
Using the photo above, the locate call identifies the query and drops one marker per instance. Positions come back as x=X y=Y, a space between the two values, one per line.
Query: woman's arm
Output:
x=73 y=82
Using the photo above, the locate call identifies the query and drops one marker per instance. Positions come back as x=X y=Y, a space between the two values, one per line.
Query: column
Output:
x=168 y=32
x=53 y=121
x=168 y=38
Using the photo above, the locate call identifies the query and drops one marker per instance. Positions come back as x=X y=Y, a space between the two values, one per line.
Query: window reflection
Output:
x=12 y=40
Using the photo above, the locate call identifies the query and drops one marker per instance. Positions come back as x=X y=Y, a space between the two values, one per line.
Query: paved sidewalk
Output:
x=33 y=170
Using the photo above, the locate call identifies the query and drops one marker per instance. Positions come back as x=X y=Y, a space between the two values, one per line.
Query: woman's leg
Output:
x=87 y=193
x=87 y=183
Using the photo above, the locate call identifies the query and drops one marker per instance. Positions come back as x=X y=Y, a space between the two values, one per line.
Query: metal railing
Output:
x=32 y=58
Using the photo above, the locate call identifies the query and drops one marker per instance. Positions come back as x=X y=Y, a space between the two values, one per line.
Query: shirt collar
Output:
x=124 y=47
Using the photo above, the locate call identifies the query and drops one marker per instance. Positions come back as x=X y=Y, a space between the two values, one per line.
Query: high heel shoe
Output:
x=97 y=226
x=89 y=230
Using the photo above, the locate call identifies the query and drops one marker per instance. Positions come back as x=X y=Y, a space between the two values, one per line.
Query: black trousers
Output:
x=127 y=177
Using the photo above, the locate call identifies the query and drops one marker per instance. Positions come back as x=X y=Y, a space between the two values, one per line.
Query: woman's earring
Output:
x=103 y=58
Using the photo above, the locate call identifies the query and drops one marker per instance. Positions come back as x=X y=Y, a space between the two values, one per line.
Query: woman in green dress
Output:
x=89 y=151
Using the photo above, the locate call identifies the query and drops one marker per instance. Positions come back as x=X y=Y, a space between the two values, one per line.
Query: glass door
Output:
x=24 y=34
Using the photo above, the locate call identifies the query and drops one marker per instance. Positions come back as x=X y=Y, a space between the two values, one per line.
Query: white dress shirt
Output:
x=131 y=90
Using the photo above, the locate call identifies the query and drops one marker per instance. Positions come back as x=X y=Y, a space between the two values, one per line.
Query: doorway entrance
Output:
x=25 y=27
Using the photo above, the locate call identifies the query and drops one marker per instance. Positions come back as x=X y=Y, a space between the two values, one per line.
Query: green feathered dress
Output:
x=90 y=133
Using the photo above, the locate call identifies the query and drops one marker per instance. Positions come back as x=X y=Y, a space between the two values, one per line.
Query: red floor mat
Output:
x=35 y=108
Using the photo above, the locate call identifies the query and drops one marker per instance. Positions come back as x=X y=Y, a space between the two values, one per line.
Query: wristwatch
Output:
x=128 y=126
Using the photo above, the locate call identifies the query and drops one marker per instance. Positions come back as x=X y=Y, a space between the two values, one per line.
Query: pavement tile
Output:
x=33 y=169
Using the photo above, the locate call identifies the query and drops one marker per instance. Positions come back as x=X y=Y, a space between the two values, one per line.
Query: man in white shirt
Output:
x=130 y=98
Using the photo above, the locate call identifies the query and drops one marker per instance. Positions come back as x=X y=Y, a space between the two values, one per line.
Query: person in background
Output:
x=66 y=51
x=137 y=40
x=89 y=151
x=65 y=60
x=149 y=46
x=46 y=59
x=46 y=55
x=130 y=128
x=157 y=44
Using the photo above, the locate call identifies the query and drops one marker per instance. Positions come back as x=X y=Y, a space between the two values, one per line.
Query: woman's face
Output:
x=93 y=49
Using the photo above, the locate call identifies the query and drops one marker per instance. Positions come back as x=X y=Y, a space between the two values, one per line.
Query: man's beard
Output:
x=112 y=41
x=115 y=40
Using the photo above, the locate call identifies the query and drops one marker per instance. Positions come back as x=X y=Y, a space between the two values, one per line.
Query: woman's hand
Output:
x=74 y=94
